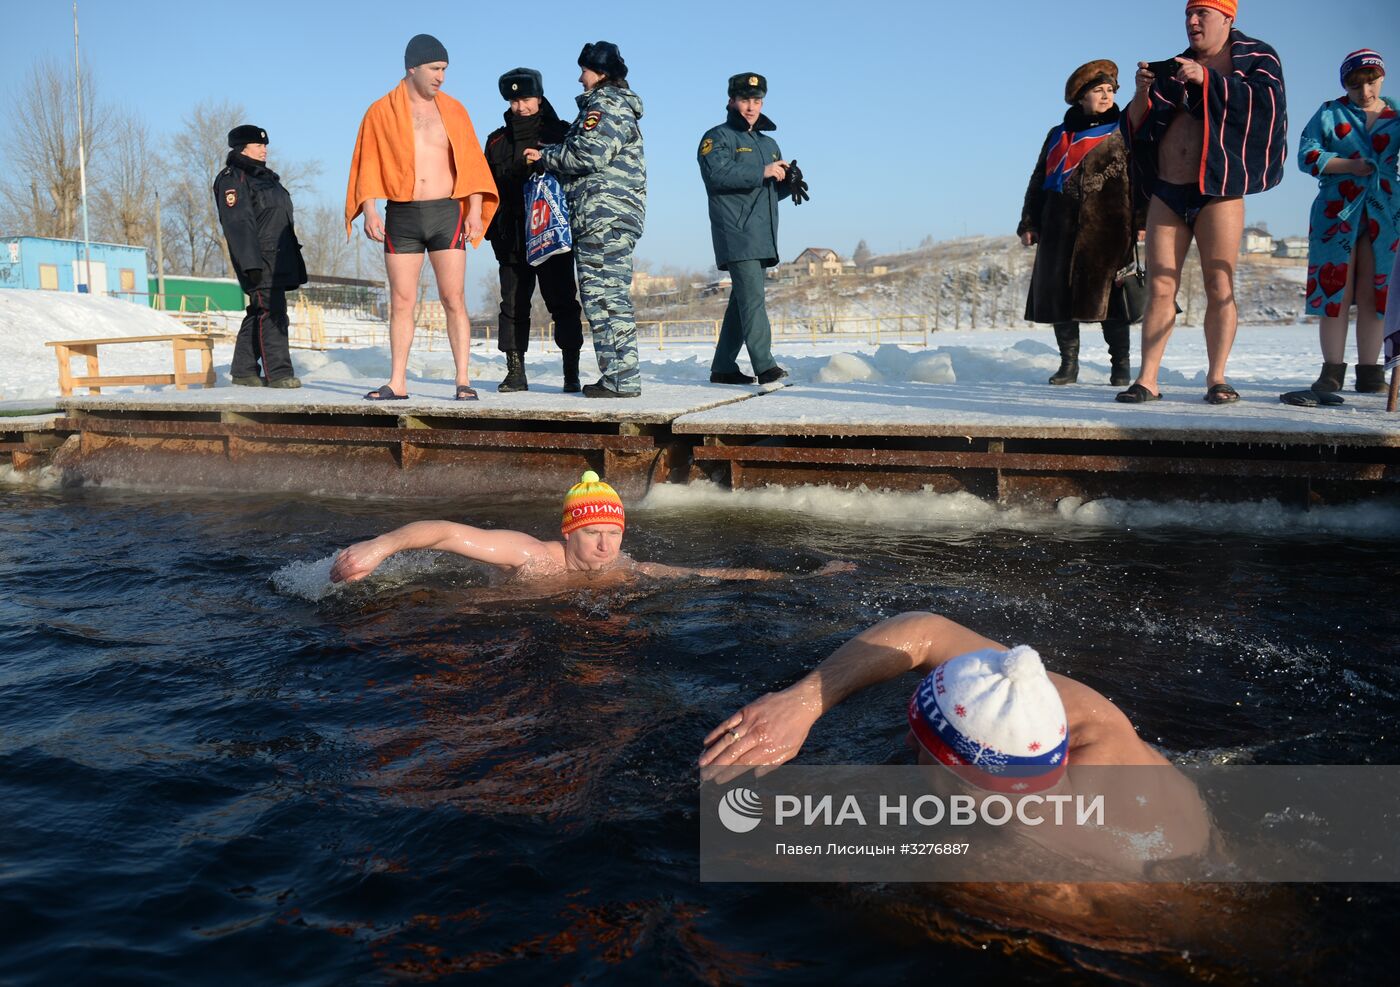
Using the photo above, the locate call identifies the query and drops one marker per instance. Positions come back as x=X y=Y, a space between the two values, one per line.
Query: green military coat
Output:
x=743 y=204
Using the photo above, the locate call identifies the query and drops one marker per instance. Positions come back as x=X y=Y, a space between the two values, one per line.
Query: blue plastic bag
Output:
x=547 y=229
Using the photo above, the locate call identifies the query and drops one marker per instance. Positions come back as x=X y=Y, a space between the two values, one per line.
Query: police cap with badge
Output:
x=751 y=85
x=246 y=134
x=522 y=83
x=748 y=85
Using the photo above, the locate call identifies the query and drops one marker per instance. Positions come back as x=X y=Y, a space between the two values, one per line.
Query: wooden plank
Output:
x=65 y=372
x=123 y=379
x=362 y=434
x=128 y=339
x=93 y=371
x=1040 y=462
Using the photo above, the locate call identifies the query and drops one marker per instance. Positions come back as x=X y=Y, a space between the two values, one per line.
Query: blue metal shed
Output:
x=47 y=264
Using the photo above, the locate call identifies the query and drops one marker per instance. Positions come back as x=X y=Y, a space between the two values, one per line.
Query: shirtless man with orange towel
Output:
x=417 y=149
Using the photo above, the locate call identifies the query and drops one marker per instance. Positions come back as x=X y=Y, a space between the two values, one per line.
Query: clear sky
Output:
x=908 y=118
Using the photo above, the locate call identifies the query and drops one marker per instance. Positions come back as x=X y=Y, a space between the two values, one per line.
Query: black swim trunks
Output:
x=1186 y=201
x=434 y=224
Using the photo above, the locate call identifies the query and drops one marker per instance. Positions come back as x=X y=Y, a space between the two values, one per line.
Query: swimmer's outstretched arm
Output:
x=507 y=549
x=679 y=572
x=773 y=728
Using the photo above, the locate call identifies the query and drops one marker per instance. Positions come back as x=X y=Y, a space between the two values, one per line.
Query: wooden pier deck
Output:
x=995 y=441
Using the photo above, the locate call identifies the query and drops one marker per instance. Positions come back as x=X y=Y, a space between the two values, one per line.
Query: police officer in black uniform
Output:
x=529 y=123
x=256 y=214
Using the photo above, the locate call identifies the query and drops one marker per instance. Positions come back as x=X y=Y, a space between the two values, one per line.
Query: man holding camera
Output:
x=1208 y=128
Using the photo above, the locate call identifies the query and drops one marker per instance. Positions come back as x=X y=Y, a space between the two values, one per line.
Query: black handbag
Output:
x=1130 y=285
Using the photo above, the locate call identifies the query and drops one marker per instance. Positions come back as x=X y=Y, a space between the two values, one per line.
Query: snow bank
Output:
x=962 y=514
x=28 y=319
x=1285 y=357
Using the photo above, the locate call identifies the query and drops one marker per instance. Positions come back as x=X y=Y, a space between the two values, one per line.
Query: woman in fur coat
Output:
x=1079 y=210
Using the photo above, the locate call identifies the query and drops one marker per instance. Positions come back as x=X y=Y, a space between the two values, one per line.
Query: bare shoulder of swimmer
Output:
x=1160 y=814
x=547 y=562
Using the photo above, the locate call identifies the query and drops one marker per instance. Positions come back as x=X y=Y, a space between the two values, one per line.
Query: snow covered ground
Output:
x=1278 y=358
x=997 y=367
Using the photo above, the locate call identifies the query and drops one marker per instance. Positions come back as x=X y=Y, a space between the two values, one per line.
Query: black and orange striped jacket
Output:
x=1246 y=122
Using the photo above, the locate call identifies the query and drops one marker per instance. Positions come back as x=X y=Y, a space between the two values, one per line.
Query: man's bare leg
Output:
x=450 y=269
x=1168 y=238
x=1219 y=230
x=403 y=297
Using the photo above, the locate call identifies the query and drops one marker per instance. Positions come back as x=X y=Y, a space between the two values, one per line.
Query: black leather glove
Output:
x=796 y=185
x=254 y=277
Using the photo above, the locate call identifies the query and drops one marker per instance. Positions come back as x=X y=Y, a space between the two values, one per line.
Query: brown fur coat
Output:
x=1086 y=231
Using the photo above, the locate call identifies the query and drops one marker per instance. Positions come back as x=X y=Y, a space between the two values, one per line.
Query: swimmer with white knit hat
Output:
x=993 y=716
x=592 y=525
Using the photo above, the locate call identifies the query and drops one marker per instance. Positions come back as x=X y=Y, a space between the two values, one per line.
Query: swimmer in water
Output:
x=987 y=696
x=593 y=524
x=976 y=699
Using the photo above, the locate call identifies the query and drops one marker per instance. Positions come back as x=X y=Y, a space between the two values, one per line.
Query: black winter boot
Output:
x=1331 y=379
x=1067 y=335
x=571 y=385
x=1118 y=336
x=515 y=373
x=1370 y=378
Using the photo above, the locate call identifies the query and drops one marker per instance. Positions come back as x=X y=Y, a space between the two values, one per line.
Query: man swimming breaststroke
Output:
x=593 y=524
x=978 y=705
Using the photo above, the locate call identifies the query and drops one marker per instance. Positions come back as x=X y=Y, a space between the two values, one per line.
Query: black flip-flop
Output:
x=385 y=393
x=1137 y=394
x=1311 y=399
x=1221 y=394
x=465 y=392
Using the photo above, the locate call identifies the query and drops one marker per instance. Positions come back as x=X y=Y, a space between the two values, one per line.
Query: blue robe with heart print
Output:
x=1350 y=206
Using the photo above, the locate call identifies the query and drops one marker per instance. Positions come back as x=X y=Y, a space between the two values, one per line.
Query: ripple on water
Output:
x=213 y=759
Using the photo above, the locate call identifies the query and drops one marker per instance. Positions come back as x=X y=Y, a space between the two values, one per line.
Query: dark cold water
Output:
x=212 y=773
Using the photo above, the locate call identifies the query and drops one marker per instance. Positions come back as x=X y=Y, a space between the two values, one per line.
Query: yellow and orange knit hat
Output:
x=1226 y=7
x=591 y=501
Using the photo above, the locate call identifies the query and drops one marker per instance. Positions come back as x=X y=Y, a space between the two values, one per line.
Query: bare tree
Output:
x=321 y=230
x=125 y=196
x=42 y=191
x=861 y=255
x=298 y=178
x=196 y=153
x=190 y=246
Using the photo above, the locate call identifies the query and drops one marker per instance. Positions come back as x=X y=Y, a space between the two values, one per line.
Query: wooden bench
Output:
x=180 y=344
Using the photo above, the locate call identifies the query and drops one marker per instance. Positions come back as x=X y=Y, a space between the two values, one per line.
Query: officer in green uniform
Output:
x=745 y=176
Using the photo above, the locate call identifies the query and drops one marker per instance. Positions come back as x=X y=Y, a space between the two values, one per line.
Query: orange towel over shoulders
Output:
x=382 y=166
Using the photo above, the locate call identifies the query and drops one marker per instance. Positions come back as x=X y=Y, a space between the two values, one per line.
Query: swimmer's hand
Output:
x=834 y=567
x=768 y=731
x=359 y=560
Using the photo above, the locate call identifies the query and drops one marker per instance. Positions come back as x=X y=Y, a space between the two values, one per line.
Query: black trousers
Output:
x=262 y=338
x=560 y=294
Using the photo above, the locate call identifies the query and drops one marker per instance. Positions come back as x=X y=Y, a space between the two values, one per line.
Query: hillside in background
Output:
x=971 y=283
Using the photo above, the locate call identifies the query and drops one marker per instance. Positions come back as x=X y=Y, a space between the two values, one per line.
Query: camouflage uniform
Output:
x=603 y=172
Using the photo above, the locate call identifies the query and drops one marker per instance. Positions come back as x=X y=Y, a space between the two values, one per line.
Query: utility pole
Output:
x=82 y=153
x=160 y=259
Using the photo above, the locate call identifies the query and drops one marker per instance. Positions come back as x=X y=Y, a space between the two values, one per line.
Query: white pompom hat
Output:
x=997 y=717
